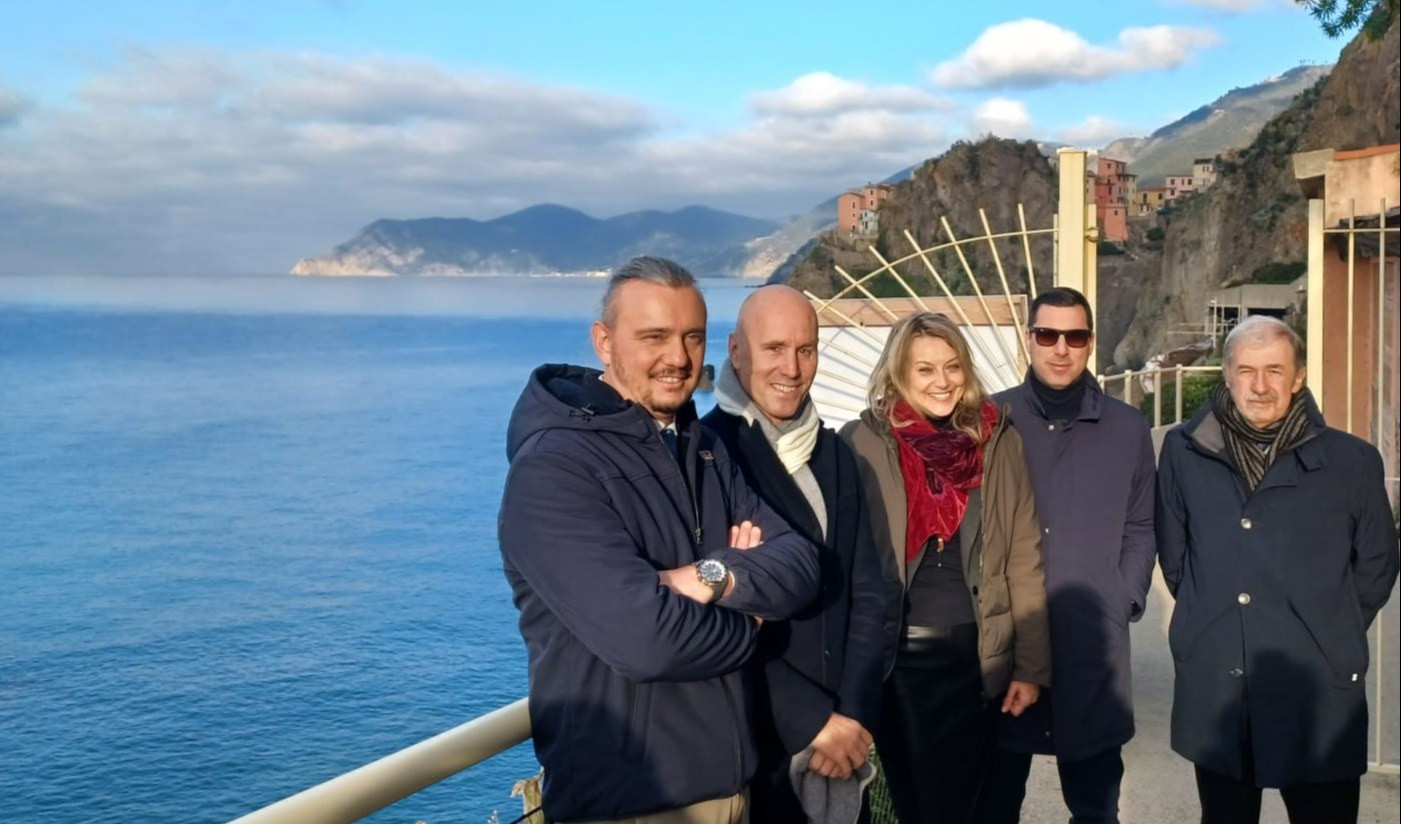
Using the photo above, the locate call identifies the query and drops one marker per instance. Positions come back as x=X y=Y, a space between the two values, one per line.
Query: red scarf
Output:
x=939 y=466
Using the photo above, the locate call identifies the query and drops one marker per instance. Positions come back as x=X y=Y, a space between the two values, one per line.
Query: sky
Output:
x=190 y=137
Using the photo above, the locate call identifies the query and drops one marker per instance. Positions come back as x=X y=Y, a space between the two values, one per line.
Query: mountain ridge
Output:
x=1231 y=121
x=545 y=237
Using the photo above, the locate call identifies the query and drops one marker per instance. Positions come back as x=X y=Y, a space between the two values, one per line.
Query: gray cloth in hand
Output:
x=829 y=800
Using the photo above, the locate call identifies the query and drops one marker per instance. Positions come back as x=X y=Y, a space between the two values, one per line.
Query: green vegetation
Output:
x=1338 y=18
x=1155 y=235
x=1110 y=248
x=1279 y=272
x=1196 y=391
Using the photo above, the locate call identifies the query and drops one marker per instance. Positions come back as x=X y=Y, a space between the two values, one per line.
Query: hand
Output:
x=1020 y=695
x=840 y=747
x=746 y=535
x=683 y=581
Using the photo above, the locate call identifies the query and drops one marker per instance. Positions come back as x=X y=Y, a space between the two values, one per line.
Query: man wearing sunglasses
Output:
x=1092 y=472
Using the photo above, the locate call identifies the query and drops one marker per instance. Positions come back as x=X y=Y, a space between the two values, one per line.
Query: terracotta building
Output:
x=857 y=208
x=1114 y=188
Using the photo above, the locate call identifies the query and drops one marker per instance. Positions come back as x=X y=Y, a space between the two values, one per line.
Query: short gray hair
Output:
x=1257 y=329
x=656 y=270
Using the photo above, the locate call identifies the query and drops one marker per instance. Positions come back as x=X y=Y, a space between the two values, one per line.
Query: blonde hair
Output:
x=890 y=378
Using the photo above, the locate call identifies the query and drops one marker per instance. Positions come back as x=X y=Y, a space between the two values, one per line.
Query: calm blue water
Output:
x=247 y=534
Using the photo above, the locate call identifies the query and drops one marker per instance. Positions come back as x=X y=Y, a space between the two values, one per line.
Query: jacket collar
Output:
x=1203 y=431
x=766 y=473
x=1091 y=405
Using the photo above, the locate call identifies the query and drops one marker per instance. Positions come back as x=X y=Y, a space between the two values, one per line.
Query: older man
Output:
x=1091 y=461
x=822 y=667
x=1277 y=540
x=620 y=532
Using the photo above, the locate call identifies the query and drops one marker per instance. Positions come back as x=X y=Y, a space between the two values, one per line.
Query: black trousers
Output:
x=935 y=732
x=1226 y=800
x=1089 y=786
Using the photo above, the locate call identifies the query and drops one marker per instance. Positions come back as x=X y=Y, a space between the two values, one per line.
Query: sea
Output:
x=248 y=533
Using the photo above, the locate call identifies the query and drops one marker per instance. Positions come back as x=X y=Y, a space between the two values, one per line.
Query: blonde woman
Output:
x=954 y=517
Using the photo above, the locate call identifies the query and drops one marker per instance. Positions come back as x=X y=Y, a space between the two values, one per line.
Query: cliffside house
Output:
x=1149 y=200
x=857 y=208
x=1114 y=189
x=1203 y=172
x=1178 y=186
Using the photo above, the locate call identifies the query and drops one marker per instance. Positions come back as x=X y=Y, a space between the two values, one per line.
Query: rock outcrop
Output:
x=994 y=175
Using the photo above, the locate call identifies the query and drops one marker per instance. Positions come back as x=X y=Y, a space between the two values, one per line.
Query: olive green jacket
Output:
x=1001 y=541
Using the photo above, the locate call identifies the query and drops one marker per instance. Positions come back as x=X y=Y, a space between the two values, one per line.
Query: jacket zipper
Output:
x=735 y=722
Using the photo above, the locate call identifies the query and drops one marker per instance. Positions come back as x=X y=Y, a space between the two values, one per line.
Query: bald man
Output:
x=821 y=670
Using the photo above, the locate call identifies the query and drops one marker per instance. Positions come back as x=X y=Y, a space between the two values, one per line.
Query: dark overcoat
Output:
x=1275 y=590
x=828 y=657
x=638 y=696
x=1093 y=478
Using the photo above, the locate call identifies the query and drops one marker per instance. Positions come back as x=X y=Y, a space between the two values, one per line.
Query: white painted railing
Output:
x=362 y=791
x=1151 y=381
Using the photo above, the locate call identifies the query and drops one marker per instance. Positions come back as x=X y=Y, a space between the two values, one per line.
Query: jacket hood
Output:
x=562 y=396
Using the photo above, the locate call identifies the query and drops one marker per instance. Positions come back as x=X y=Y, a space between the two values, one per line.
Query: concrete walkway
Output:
x=1159 y=785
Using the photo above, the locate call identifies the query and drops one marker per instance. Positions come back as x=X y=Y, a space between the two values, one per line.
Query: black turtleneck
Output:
x=1060 y=404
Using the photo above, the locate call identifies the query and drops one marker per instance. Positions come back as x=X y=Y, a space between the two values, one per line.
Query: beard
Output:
x=644 y=391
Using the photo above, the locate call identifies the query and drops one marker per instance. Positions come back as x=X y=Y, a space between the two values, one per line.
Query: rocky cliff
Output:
x=1255 y=214
x=994 y=175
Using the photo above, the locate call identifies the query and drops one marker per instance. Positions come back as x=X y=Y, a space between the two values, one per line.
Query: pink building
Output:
x=1176 y=186
x=1113 y=189
x=856 y=208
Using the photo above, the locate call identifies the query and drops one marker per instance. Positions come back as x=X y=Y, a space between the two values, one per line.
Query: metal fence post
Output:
x=1157 y=398
x=1178 y=378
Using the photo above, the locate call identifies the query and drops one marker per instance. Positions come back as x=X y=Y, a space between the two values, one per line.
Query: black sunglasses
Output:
x=1074 y=338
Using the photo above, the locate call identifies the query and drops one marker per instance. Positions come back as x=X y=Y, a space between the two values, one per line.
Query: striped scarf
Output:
x=1254 y=449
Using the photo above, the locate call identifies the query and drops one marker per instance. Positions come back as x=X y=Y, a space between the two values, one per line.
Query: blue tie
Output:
x=672 y=444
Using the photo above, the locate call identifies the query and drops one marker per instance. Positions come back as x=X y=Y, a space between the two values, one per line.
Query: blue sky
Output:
x=165 y=136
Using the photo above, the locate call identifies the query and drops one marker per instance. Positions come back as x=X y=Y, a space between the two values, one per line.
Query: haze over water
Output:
x=249 y=533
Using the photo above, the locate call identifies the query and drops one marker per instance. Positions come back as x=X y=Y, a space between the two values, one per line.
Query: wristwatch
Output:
x=714 y=574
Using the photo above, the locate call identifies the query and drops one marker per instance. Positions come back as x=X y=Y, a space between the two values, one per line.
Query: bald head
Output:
x=774 y=350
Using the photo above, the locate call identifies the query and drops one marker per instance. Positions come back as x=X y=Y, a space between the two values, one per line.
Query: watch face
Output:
x=711 y=571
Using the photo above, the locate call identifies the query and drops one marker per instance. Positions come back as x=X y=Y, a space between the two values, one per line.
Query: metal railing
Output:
x=362 y=791
x=1150 y=382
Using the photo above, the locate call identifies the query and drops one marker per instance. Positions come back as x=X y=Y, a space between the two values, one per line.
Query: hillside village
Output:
x=1109 y=185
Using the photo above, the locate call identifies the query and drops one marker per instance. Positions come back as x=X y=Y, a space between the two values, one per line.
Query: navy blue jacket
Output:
x=639 y=701
x=1275 y=590
x=1094 y=483
x=830 y=657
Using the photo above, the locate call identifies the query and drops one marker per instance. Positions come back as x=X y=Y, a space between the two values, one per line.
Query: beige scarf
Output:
x=793 y=441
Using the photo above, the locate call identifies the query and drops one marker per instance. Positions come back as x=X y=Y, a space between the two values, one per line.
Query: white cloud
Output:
x=1029 y=53
x=821 y=93
x=220 y=161
x=1001 y=117
x=1093 y=132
